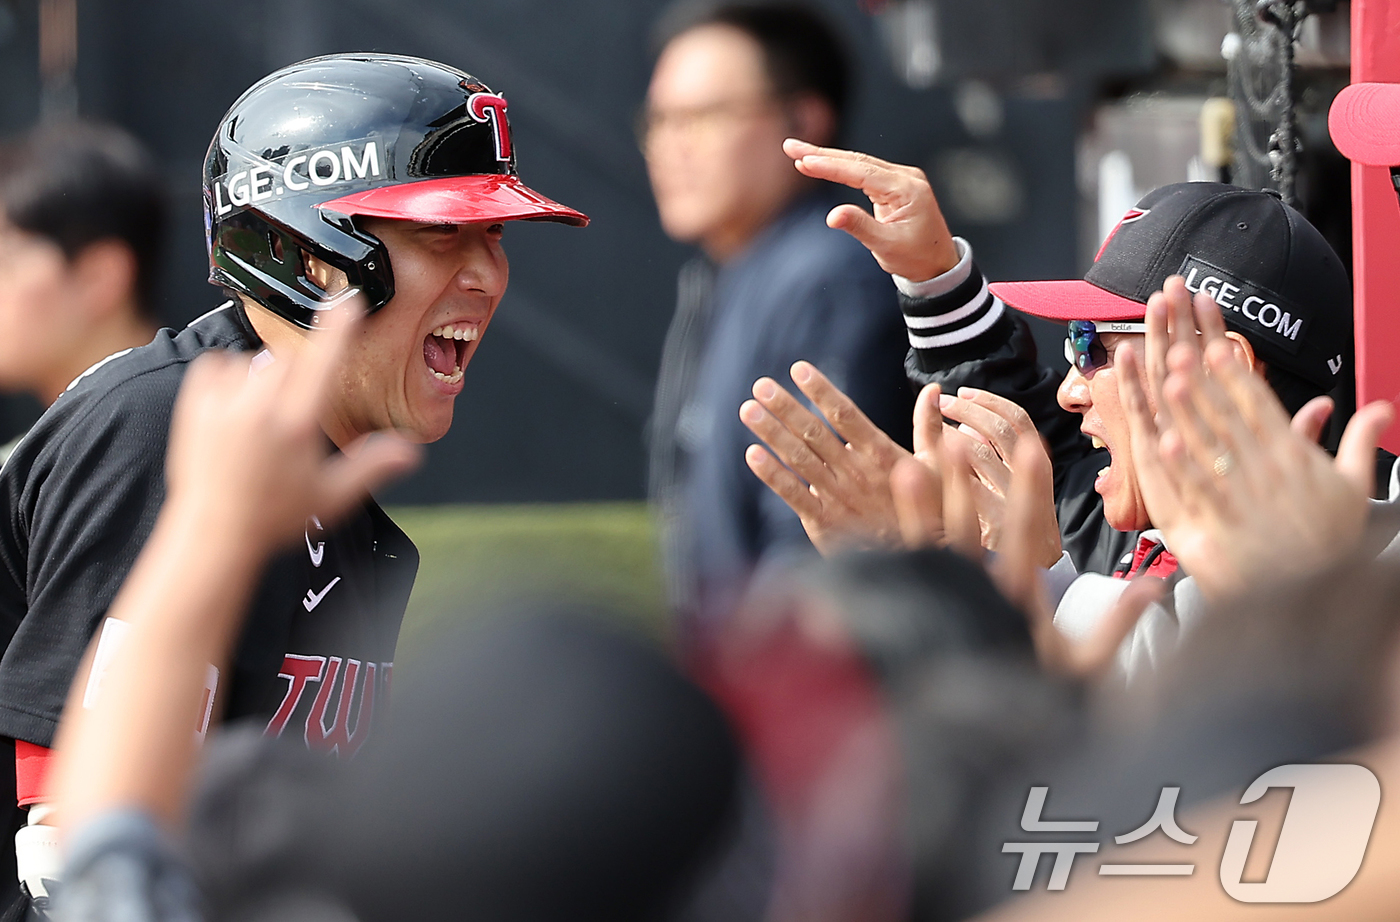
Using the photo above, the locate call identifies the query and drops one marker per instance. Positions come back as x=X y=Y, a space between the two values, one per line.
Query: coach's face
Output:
x=404 y=369
x=1095 y=396
x=713 y=132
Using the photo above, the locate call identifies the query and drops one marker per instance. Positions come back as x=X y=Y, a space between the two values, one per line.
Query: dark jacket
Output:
x=799 y=291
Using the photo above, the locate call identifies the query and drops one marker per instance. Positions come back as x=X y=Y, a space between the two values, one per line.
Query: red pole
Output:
x=1375 y=58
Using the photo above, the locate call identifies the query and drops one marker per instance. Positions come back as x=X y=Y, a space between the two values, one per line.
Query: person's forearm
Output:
x=136 y=746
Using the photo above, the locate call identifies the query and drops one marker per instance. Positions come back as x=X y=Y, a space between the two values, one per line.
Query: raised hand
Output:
x=907 y=232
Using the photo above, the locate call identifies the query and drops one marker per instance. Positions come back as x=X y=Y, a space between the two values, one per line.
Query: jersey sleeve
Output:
x=962 y=335
x=83 y=492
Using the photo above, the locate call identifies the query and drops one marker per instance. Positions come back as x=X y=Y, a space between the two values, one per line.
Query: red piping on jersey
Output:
x=32 y=765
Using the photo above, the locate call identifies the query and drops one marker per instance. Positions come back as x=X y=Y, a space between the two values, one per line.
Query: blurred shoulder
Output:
x=159 y=365
x=803 y=265
x=824 y=251
x=134 y=387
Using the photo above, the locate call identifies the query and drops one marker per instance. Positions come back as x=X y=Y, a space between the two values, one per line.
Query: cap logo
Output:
x=491 y=107
x=1133 y=214
x=1258 y=306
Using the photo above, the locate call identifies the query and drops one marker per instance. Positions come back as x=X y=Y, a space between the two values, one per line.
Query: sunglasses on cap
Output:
x=1083 y=347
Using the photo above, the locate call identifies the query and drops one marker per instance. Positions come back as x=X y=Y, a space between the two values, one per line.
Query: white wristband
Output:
x=38 y=858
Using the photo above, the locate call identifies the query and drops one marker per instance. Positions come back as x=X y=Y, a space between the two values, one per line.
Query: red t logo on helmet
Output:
x=491 y=107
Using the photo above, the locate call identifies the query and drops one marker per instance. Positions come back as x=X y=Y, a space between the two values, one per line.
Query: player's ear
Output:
x=323 y=275
x=105 y=272
x=1243 y=349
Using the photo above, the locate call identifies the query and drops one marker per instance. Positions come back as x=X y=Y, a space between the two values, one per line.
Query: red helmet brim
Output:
x=457 y=200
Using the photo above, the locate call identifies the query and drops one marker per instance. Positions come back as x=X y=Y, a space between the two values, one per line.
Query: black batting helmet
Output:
x=308 y=148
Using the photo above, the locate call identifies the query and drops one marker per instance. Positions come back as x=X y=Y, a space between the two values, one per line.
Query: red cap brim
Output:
x=1073 y=300
x=457 y=200
x=1365 y=123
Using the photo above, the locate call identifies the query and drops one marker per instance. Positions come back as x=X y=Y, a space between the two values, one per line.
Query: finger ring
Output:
x=1223 y=463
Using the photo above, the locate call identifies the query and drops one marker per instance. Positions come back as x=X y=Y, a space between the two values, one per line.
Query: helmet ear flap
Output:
x=320 y=274
x=372 y=273
x=266 y=261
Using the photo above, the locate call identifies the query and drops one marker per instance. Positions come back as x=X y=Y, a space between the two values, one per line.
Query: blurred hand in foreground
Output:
x=247 y=451
x=247 y=463
x=1240 y=492
x=907 y=233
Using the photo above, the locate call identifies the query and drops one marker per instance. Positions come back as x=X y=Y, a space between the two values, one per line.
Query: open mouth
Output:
x=1100 y=443
x=445 y=350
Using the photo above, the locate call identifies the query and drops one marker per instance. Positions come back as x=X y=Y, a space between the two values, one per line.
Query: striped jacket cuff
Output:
x=940 y=285
x=951 y=312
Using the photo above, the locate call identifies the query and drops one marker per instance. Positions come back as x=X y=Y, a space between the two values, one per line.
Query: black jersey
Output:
x=80 y=494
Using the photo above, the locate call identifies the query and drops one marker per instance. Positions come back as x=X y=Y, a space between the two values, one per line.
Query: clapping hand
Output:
x=1017 y=572
x=1240 y=492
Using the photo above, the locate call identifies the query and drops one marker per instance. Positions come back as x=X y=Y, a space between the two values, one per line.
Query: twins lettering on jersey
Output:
x=329 y=166
x=345 y=689
x=344 y=693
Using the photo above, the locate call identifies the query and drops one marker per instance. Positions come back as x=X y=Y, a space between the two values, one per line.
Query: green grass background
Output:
x=475 y=559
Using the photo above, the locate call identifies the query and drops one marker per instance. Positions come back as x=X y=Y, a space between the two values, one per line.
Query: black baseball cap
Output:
x=1277 y=281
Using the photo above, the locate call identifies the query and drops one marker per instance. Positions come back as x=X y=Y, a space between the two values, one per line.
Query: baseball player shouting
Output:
x=377 y=177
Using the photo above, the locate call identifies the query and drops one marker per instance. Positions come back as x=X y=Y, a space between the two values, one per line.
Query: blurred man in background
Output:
x=82 y=227
x=775 y=284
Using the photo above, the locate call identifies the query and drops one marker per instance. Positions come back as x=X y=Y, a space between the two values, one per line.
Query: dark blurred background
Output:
x=1038 y=121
